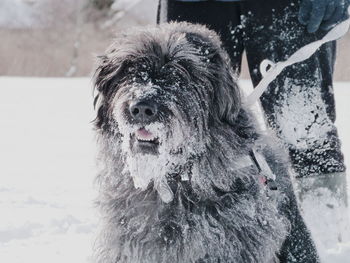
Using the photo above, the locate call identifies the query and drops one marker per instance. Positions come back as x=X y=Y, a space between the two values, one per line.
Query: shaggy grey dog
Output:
x=182 y=178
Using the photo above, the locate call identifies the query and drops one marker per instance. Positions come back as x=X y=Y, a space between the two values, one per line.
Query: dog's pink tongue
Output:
x=143 y=134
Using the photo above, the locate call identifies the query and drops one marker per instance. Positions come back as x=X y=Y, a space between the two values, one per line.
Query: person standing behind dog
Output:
x=299 y=105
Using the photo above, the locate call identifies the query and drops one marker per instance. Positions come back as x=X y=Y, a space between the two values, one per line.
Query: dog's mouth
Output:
x=145 y=137
x=144 y=141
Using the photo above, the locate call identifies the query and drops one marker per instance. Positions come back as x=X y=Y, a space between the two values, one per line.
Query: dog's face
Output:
x=161 y=90
x=151 y=109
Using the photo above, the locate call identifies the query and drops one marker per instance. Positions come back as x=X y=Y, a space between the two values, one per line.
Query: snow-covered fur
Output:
x=180 y=186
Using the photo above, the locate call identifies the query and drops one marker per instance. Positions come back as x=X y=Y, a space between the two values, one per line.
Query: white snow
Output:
x=47 y=170
x=47 y=160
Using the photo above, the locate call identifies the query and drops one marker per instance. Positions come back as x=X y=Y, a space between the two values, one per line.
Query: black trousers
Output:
x=299 y=105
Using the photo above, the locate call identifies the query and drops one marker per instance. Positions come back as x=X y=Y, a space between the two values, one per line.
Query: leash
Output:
x=302 y=54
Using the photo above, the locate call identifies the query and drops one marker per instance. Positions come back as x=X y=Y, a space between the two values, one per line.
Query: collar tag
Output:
x=264 y=169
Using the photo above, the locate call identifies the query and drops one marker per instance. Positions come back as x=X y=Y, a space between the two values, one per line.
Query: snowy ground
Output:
x=47 y=169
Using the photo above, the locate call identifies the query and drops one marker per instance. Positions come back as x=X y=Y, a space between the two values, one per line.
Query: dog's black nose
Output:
x=144 y=111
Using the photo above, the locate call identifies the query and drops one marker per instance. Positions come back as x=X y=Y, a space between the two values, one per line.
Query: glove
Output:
x=322 y=14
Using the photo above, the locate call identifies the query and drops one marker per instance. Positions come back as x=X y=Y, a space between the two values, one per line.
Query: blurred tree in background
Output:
x=102 y=4
x=52 y=38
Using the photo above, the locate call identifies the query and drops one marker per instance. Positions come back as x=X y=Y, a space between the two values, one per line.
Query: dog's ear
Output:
x=226 y=98
x=109 y=73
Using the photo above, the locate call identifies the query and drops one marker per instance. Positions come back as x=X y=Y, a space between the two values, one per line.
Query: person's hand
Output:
x=322 y=14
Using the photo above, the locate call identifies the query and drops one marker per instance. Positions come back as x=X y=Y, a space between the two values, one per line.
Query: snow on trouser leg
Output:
x=302 y=121
x=318 y=160
x=299 y=105
x=303 y=116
